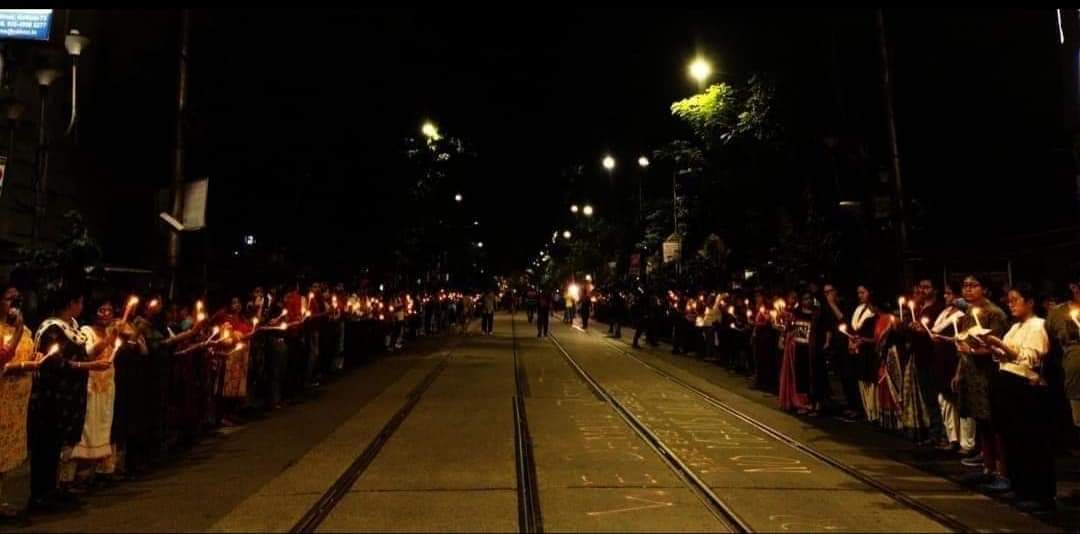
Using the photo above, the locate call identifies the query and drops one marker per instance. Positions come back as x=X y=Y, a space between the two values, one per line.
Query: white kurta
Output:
x=96 y=442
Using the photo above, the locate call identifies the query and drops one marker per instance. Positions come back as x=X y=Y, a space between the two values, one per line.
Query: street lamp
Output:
x=643 y=162
x=566 y=234
x=700 y=70
x=458 y=197
x=587 y=210
x=74 y=43
x=573 y=208
x=45 y=78
x=609 y=163
x=480 y=244
x=430 y=131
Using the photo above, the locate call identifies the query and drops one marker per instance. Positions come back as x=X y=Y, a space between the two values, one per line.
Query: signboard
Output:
x=195 y=204
x=672 y=248
x=28 y=24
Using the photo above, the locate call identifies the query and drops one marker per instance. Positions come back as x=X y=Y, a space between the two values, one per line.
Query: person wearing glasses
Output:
x=974 y=379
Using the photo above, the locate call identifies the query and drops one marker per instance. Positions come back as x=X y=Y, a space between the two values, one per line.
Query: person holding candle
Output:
x=974 y=379
x=834 y=347
x=95 y=452
x=763 y=341
x=924 y=308
x=795 y=367
x=1022 y=411
x=861 y=345
x=1063 y=327
x=57 y=410
x=959 y=431
x=131 y=403
x=17 y=365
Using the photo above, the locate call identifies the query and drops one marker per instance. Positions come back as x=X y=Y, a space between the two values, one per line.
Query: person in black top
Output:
x=58 y=400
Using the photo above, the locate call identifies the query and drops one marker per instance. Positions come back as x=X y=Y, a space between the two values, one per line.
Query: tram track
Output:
x=712 y=495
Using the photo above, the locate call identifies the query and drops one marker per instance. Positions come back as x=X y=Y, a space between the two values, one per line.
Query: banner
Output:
x=31 y=24
x=195 y=204
x=672 y=248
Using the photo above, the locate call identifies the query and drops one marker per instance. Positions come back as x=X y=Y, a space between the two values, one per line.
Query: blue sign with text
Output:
x=30 y=24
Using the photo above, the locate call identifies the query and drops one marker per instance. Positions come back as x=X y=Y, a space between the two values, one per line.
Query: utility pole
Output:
x=178 y=150
x=894 y=152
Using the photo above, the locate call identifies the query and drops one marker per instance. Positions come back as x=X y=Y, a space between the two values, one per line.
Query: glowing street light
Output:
x=609 y=163
x=700 y=70
x=566 y=234
x=573 y=208
x=480 y=244
x=587 y=210
x=458 y=197
x=430 y=131
x=643 y=162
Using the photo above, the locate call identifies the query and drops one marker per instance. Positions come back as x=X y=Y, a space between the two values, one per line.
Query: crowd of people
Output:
x=103 y=389
x=995 y=382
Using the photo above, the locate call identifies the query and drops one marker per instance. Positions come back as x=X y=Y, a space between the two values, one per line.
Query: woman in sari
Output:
x=17 y=364
x=58 y=398
x=862 y=346
x=95 y=452
x=795 y=368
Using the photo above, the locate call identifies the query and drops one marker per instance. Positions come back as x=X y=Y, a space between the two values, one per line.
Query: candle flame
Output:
x=1074 y=313
x=198 y=305
x=133 y=300
x=239 y=346
x=53 y=349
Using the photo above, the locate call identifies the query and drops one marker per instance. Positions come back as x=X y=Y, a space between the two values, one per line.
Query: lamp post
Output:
x=643 y=163
x=13 y=112
x=45 y=78
x=178 y=149
x=74 y=43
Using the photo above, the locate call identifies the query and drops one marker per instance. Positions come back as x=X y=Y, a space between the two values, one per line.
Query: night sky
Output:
x=298 y=116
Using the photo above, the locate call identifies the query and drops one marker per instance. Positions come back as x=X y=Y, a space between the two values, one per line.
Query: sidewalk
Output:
x=867 y=447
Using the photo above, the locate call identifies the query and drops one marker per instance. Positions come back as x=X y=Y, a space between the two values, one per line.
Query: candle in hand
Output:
x=902 y=301
x=975 y=314
x=130 y=306
x=1074 y=313
x=844 y=330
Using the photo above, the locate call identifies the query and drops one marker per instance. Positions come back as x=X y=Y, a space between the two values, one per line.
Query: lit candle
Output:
x=130 y=306
x=152 y=304
x=975 y=314
x=955 y=328
x=925 y=322
x=731 y=311
x=1074 y=313
x=844 y=330
x=239 y=347
x=902 y=301
x=53 y=350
